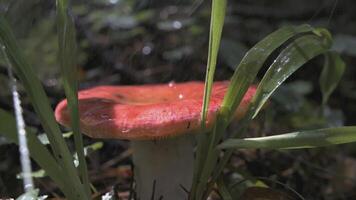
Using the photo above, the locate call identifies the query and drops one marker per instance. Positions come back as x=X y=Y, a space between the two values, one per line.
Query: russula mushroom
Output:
x=159 y=120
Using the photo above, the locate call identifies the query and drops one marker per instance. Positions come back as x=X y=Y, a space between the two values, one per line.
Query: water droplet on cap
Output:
x=171 y=84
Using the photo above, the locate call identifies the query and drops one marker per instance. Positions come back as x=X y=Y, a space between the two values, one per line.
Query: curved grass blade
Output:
x=67 y=57
x=296 y=140
x=289 y=60
x=42 y=107
x=333 y=70
x=38 y=151
x=252 y=62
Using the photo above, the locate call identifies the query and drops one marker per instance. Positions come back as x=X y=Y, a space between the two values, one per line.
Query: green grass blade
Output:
x=67 y=57
x=300 y=50
x=244 y=75
x=252 y=62
x=38 y=151
x=289 y=60
x=333 y=70
x=216 y=26
x=296 y=140
x=41 y=105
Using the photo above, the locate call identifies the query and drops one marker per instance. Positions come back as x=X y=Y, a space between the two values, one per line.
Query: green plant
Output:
x=59 y=165
x=299 y=45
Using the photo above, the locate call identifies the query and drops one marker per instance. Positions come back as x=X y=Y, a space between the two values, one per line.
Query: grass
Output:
x=296 y=45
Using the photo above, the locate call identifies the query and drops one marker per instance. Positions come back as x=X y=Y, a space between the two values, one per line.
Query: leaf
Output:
x=252 y=62
x=42 y=107
x=36 y=174
x=67 y=57
x=44 y=139
x=289 y=60
x=333 y=70
x=244 y=75
x=216 y=26
x=87 y=150
x=296 y=140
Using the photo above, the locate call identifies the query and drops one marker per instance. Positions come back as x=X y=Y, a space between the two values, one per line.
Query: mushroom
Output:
x=159 y=121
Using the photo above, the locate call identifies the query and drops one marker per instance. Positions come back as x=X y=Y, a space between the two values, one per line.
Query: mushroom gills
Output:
x=164 y=167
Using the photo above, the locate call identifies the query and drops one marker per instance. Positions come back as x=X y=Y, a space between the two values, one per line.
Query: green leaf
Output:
x=296 y=140
x=216 y=26
x=42 y=107
x=245 y=73
x=300 y=50
x=333 y=70
x=87 y=150
x=289 y=60
x=67 y=57
x=254 y=59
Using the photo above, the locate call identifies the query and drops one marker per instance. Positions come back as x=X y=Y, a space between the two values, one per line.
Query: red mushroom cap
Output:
x=146 y=112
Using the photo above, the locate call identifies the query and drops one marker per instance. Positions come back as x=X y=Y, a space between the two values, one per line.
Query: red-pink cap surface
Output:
x=147 y=111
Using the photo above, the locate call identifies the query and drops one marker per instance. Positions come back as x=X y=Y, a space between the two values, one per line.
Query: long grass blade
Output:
x=41 y=105
x=289 y=60
x=298 y=52
x=67 y=58
x=244 y=75
x=216 y=26
x=296 y=140
x=252 y=62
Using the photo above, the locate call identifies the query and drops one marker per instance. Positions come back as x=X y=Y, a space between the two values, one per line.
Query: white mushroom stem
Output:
x=163 y=165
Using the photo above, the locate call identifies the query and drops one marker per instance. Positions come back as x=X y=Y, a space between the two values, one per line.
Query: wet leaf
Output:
x=296 y=140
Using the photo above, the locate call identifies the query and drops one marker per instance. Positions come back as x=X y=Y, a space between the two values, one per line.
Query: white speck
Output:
x=177 y=24
x=146 y=50
x=171 y=84
x=125 y=130
x=180 y=96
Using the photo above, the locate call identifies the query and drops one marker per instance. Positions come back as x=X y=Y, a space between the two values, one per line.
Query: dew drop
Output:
x=146 y=50
x=180 y=96
x=171 y=84
x=177 y=24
